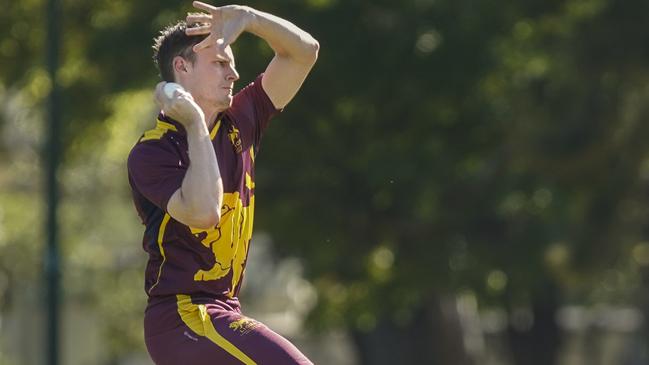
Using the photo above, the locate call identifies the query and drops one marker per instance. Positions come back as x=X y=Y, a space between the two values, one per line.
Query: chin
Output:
x=225 y=103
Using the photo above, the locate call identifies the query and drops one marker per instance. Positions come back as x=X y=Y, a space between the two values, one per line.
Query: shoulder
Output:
x=251 y=96
x=252 y=105
x=162 y=131
x=159 y=143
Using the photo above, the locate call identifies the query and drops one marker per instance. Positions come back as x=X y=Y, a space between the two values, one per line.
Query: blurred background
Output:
x=459 y=182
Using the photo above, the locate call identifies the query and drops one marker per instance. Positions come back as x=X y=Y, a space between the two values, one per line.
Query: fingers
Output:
x=203 y=29
x=208 y=42
x=211 y=24
x=226 y=41
x=203 y=44
x=159 y=94
x=203 y=6
x=159 y=86
x=194 y=18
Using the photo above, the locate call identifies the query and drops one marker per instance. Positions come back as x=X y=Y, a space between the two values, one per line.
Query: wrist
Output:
x=197 y=126
x=250 y=18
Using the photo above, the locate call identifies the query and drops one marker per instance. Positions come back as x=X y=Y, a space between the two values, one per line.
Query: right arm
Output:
x=197 y=203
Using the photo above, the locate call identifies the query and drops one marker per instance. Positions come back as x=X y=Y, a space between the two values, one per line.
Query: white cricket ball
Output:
x=170 y=87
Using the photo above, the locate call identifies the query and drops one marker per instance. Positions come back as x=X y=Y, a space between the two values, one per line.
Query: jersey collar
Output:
x=179 y=126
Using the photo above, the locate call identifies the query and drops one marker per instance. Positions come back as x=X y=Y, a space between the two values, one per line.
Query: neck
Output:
x=210 y=115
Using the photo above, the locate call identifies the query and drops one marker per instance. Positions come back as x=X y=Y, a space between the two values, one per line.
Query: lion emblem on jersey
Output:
x=228 y=241
x=233 y=135
x=244 y=325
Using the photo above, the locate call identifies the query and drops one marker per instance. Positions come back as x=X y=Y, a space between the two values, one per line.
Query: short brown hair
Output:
x=171 y=42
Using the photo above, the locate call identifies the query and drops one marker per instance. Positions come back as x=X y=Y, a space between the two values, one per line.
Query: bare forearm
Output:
x=202 y=189
x=285 y=38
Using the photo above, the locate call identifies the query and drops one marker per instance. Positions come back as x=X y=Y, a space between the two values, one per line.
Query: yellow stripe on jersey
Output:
x=160 y=129
x=199 y=321
x=215 y=129
x=249 y=183
x=161 y=234
x=252 y=153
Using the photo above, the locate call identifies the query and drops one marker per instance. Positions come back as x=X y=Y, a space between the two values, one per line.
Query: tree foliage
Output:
x=438 y=146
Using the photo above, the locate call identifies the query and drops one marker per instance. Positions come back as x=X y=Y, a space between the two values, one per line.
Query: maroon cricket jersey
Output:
x=183 y=259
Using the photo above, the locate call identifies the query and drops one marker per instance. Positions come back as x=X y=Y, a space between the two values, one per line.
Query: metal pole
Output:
x=51 y=159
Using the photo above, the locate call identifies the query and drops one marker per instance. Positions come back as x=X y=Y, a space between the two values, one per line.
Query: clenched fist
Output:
x=180 y=105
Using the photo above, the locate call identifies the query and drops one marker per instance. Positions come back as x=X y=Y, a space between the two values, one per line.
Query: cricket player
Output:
x=193 y=184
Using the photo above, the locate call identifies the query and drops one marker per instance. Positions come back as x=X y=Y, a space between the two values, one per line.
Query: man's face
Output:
x=210 y=78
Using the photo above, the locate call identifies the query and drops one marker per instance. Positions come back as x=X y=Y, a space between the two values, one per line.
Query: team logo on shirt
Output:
x=244 y=325
x=228 y=241
x=233 y=135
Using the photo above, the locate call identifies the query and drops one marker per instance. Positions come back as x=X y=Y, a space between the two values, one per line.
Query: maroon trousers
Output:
x=181 y=330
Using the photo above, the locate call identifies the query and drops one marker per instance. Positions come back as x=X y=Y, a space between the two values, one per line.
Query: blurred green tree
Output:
x=438 y=147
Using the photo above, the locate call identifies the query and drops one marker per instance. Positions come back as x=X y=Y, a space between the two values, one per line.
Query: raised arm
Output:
x=295 y=54
x=295 y=50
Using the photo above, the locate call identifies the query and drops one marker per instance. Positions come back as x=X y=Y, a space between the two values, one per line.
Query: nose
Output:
x=233 y=75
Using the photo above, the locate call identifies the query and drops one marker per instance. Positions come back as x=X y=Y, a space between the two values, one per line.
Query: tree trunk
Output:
x=433 y=336
x=534 y=339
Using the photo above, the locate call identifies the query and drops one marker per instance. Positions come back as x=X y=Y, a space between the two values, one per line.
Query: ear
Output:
x=180 y=65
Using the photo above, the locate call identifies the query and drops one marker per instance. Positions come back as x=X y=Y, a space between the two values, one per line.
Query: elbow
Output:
x=315 y=46
x=304 y=53
x=314 y=49
x=200 y=212
x=310 y=49
x=209 y=210
x=206 y=220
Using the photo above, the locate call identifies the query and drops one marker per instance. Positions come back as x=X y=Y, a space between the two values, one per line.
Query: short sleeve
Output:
x=251 y=111
x=156 y=170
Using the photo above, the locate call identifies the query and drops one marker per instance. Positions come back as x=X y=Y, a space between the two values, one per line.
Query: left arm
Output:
x=295 y=50
x=295 y=54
